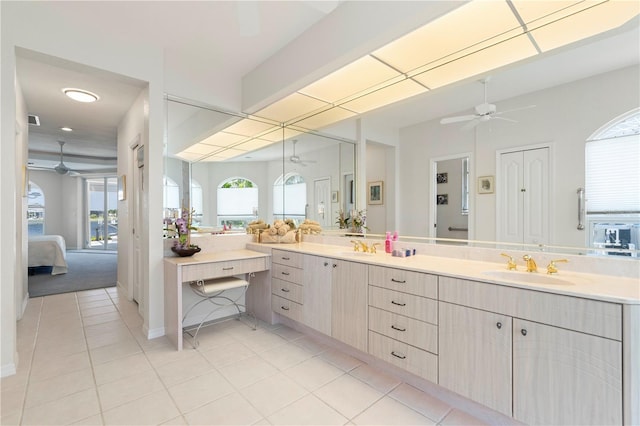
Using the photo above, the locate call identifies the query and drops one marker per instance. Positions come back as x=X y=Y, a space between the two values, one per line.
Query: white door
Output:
x=322 y=208
x=136 y=216
x=523 y=197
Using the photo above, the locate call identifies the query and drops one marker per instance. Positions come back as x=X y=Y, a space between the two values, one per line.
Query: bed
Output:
x=48 y=250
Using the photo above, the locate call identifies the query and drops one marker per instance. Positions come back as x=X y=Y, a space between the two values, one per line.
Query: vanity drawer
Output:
x=287 y=290
x=222 y=269
x=286 y=307
x=287 y=273
x=587 y=316
x=408 y=330
x=407 y=357
x=407 y=281
x=289 y=258
x=409 y=305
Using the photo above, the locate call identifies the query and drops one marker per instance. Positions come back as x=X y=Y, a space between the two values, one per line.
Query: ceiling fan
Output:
x=483 y=112
x=60 y=168
x=295 y=159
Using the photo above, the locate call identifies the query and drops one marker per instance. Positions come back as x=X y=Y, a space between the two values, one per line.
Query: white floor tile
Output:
x=423 y=403
x=348 y=395
x=129 y=388
x=375 y=378
x=307 y=411
x=227 y=354
x=45 y=367
x=66 y=410
x=120 y=368
x=200 y=390
x=388 y=411
x=148 y=410
x=341 y=360
x=457 y=417
x=247 y=371
x=232 y=409
x=273 y=393
x=183 y=369
x=286 y=356
x=44 y=391
x=314 y=373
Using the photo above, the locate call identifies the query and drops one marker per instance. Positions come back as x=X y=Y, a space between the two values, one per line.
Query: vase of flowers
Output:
x=358 y=221
x=342 y=220
x=182 y=228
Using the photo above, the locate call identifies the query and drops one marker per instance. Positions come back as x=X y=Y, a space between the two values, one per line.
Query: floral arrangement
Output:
x=358 y=220
x=182 y=228
x=341 y=220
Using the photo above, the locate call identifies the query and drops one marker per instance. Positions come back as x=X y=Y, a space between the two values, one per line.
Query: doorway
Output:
x=102 y=214
x=451 y=203
x=322 y=198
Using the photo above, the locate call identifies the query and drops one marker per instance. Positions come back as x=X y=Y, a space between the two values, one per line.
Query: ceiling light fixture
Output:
x=66 y=129
x=80 y=95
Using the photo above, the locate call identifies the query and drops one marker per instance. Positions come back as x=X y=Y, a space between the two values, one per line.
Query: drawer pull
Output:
x=286 y=258
x=285 y=290
x=398 y=355
x=398 y=281
x=398 y=328
x=523 y=331
x=499 y=325
x=285 y=273
x=228 y=269
x=284 y=308
x=398 y=303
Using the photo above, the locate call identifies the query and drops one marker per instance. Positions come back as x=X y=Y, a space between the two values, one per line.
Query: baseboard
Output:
x=8 y=370
x=153 y=333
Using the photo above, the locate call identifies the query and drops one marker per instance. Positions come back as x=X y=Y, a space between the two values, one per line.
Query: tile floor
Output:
x=84 y=360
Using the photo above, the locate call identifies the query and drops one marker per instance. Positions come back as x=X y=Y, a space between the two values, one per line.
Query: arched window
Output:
x=237 y=202
x=612 y=183
x=35 y=210
x=290 y=197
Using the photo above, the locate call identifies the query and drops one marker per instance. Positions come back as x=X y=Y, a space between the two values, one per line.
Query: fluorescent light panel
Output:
x=448 y=49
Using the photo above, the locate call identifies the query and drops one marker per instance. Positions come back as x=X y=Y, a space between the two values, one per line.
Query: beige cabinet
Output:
x=317 y=295
x=565 y=377
x=475 y=355
x=349 y=303
x=538 y=373
x=287 y=290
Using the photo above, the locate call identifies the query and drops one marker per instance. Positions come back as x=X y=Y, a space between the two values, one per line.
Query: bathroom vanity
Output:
x=544 y=349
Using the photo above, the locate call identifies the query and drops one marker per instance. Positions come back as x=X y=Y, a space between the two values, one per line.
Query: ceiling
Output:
x=93 y=140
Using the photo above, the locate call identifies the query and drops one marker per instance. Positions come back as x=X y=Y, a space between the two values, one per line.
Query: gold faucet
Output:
x=361 y=245
x=356 y=245
x=551 y=267
x=511 y=264
x=372 y=249
x=531 y=264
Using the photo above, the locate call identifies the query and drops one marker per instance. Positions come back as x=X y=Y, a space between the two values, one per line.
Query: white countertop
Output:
x=218 y=256
x=591 y=286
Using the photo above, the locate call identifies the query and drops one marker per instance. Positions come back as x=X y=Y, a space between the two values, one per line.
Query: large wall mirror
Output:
x=230 y=179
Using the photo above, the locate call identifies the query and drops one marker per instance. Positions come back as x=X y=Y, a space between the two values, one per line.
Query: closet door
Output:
x=523 y=197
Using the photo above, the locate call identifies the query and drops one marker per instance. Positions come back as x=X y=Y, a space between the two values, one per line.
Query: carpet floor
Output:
x=87 y=270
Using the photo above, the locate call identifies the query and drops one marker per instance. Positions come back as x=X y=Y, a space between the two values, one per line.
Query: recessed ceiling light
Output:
x=81 y=95
x=66 y=129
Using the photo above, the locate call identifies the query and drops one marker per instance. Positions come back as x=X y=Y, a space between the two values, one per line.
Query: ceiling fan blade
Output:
x=457 y=119
x=515 y=109
x=505 y=119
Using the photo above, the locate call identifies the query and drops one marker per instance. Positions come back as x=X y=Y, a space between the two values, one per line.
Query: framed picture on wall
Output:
x=485 y=185
x=442 y=177
x=442 y=199
x=374 y=192
x=122 y=188
x=334 y=196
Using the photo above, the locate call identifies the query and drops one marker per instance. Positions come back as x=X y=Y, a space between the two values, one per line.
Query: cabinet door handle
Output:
x=398 y=355
x=284 y=308
x=523 y=331
x=326 y=263
x=285 y=273
x=499 y=325
x=398 y=328
x=335 y=265
x=398 y=303
x=285 y=258
x=285 y=290
x=228 y=269
x=398 y=281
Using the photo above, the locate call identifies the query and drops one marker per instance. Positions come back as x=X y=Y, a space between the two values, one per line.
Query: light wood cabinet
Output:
x=475 y=355
x=349 y=303
x=317 y=295
x=538 y=373
x=565 y=377
x=287 y=284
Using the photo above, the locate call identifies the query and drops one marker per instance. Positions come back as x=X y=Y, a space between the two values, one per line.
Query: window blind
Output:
x=613 y=175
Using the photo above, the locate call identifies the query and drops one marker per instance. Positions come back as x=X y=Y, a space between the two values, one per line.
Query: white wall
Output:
x=564 y=117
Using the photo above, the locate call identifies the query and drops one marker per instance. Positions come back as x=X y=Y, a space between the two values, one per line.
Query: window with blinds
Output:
x=613 y=175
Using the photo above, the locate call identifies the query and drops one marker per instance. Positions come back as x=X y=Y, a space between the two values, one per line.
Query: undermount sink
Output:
x=528 y=277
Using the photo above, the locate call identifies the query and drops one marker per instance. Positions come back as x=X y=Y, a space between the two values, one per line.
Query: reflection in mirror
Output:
x=283 y=173
x=451 y=198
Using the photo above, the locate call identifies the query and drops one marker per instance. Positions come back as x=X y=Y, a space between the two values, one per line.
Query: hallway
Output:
x=84 y=360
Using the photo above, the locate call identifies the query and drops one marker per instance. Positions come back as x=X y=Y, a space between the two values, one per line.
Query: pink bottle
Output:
x=387 y=243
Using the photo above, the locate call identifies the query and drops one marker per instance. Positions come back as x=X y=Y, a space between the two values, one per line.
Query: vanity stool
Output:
x=213 y=291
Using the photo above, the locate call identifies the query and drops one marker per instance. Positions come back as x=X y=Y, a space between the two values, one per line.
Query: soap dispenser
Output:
x=387 y=243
